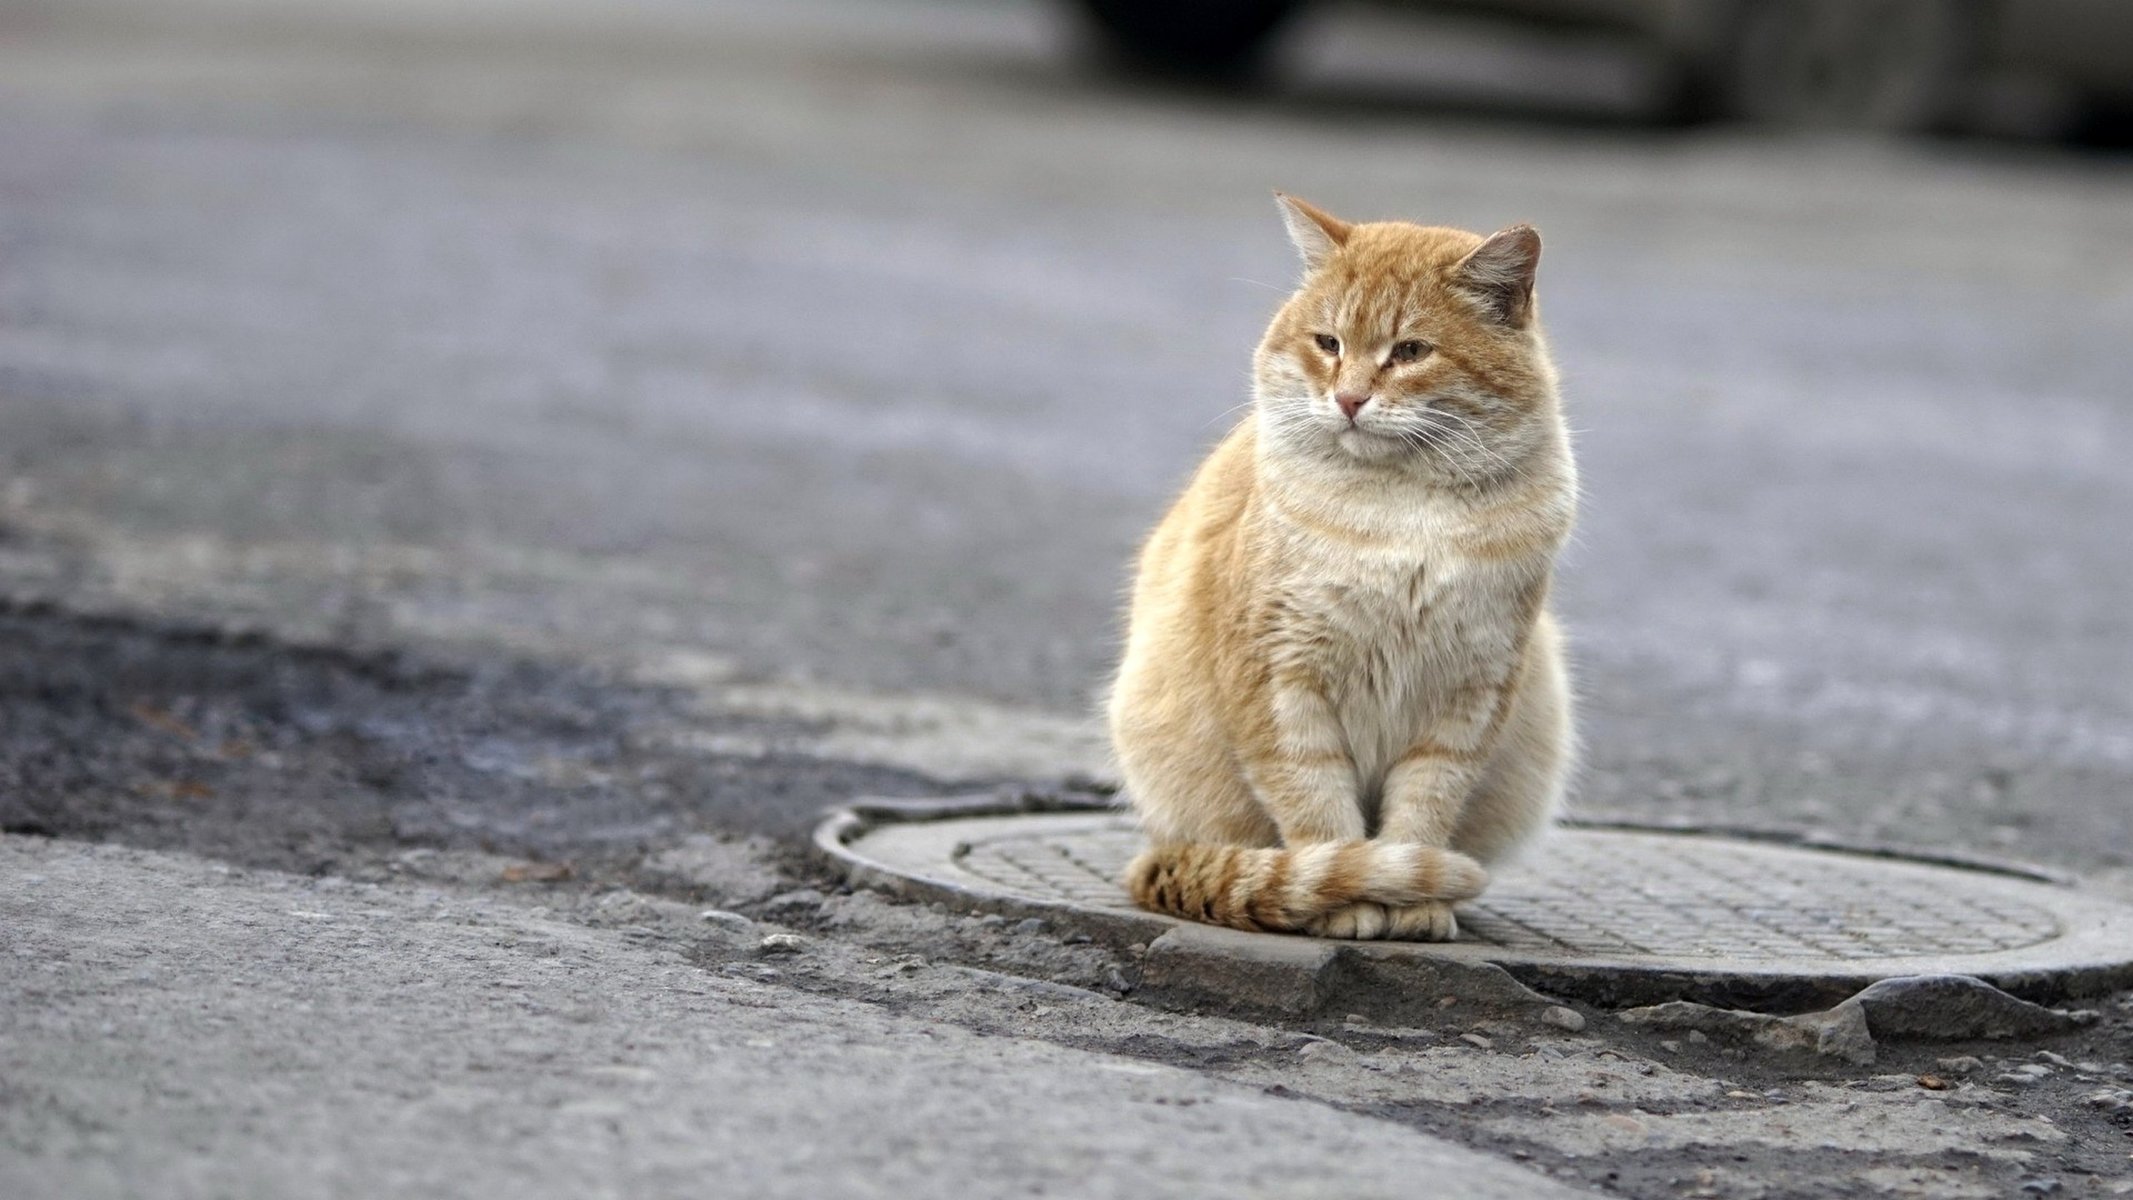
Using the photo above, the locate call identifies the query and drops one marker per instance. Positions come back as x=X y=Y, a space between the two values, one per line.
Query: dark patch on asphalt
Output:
x=308 y=759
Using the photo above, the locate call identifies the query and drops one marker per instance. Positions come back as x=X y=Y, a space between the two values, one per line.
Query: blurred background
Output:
x=848 y=347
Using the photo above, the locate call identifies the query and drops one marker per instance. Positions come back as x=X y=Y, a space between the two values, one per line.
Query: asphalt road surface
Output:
x=856 y=345
x=604 y=424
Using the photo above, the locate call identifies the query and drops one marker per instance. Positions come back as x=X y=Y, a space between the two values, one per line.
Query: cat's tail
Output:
x=1250 y=887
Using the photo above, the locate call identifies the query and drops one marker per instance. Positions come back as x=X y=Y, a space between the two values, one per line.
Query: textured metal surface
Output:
x=1622 y=894
x=1615 y=915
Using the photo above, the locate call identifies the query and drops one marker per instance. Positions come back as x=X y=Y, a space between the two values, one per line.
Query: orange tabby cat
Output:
x=1342 y=691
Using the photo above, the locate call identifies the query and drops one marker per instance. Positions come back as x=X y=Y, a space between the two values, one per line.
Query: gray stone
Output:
x=1958 y=1008
x=1564 y=1018
x=1326 y=1051
x=1915 y=1007
x=782 y=943
x=797 y=900
x=1230 y=969
x=2112 y=1100
x=1842 y=1032
x=1391 y=983
x=731 y=922
x=1839 y=1033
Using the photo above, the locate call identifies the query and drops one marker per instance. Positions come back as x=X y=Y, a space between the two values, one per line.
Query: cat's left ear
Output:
x=1500 y=273
x=1316 y=232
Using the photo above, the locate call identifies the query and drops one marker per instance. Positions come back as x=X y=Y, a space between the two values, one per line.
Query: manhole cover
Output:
x=1617 y=914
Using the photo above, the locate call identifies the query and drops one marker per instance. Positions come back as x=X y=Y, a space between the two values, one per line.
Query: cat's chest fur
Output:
x=1391 y=629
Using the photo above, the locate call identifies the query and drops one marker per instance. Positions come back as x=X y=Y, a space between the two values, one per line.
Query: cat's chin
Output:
x=1363 y=445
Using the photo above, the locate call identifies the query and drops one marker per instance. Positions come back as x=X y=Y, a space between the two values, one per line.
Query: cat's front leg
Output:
x=1299 y=766
x=1425 y=793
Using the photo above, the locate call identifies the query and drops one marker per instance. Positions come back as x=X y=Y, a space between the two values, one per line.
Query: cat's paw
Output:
x=1429 y=921
x=1361 y=921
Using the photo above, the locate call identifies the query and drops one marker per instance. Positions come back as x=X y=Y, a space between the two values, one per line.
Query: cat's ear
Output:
x=1317 y=233
x=1499 y=273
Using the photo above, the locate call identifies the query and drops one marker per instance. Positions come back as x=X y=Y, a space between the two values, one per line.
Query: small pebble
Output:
x=1477 y=1039
x=1962 y=1065
x=1030 y=926
x=2112 y=1100
x=2057 y=1060
x=1564 y=1018
x=1326 y=1052
x=782 y=943
x=1447 y=1001
x=1933 y=1083
x=797 y=898
x=1698 y=1037
x=2040 y=1187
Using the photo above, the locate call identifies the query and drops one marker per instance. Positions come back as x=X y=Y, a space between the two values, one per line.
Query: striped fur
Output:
x=1279 y=889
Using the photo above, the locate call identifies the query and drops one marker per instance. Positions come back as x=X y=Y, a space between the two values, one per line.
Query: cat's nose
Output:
x=1351 y=402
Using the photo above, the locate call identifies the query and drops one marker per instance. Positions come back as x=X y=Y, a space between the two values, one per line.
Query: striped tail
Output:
x=1250 y=887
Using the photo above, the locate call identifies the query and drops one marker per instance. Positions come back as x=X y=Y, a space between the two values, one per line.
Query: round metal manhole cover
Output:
x=1637 y=908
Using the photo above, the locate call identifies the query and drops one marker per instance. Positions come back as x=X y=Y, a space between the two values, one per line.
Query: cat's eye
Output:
x=1328 y=343
x=1409 y=351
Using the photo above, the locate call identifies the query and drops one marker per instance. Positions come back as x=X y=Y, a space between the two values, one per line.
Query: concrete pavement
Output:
x=179 y=1029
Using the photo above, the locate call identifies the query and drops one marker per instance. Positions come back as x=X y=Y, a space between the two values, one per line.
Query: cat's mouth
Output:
x=1370 y=443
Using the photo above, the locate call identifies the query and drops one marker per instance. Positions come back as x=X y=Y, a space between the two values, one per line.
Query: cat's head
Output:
x=1408 y=346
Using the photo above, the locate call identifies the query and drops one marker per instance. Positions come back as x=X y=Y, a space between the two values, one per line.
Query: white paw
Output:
x=1362 y=921
x=1429 y=921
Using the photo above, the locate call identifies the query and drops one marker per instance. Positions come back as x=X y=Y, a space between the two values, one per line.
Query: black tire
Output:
x=1888 y=66
x=1204 y=39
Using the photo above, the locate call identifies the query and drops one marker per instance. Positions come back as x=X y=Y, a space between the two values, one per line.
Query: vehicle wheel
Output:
x=1892 y=66
x=1202 y=38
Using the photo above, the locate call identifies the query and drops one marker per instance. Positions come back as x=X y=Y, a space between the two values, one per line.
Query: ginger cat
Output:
x=1342 y=691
